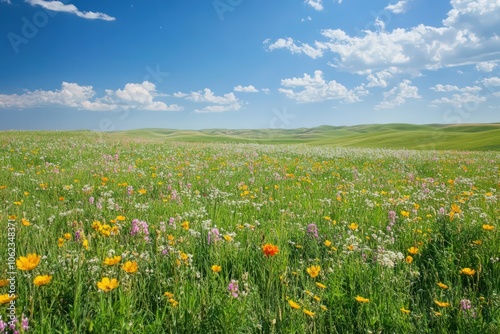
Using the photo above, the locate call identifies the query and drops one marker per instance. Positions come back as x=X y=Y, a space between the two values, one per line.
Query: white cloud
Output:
x=398 y=95
x=450 y=88
x=227 y=102
x=133 y=96
x=219 y=108
x=7 y=1
x=459 y=100
x=289 y=44
x=58 y=6
x=398 y=8
x=379 y=79
x=247 y=89
x=316 y=4
x=468 y=36
x=487 y=66
x=491 y=82
x=70 y=95
x=266 y=91
x=316 y=89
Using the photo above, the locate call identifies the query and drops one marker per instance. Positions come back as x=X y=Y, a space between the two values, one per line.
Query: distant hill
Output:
x=409 y=136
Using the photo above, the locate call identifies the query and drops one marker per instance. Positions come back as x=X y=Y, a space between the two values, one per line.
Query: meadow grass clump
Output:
x=143 y=236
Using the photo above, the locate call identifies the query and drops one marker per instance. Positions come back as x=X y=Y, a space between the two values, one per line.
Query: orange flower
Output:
x=4 y=282
x=488 y=227
x=270 y=250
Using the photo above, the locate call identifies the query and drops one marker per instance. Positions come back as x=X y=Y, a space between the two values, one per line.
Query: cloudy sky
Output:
x=123 y=64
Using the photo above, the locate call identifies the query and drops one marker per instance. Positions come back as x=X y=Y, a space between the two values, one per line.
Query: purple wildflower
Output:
x=312 y=230
x=233 y=288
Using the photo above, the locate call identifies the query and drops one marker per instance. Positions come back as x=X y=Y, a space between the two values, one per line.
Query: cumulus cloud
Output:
x=399 y=7
x=491 y=82
x=247 y=89
x=380 y=79
x=304 y=48
x=487 y=66
x=316 y=4
x=398 y=95
x=70 y=95
x=227 y=102
x=460 y=99
x=450 y=88
x=316 y=89
x=58 y=6
x=133 y=96
x=468 y=36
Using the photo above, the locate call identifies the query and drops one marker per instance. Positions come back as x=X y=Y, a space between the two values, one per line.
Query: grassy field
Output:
x=397 y=136
x=115 y=233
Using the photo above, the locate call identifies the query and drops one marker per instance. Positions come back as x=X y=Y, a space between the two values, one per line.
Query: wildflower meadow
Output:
x=101 y=235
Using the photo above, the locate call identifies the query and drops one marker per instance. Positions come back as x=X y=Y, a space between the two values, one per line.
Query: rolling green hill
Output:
x=409 y=136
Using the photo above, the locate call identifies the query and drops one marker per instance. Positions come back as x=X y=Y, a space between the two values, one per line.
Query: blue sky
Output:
x=115 y=64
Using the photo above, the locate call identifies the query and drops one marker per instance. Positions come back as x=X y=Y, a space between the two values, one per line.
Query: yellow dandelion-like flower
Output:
x=442 y=285
x=313 y=271
x=353 y=226
x=130 y=267
x=185 y=225
x=111 y=261
x=309 y=313
x=405 y=311
x=320 y=285
x=67 y=236
x=442 y=304
x=29 y=262
x=413 y=250
x=293 y=304
x=120 y=218
x=216 y=268
x=107 y=284
x=168 y=294
x=25 y=222
x=42 y=280
x=409 y=259
x=362 y=299
x=467 y=271
x=6 y=298
x=328 y=243
x=488 y=227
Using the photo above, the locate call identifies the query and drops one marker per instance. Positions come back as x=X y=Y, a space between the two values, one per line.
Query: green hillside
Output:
x=409 y=136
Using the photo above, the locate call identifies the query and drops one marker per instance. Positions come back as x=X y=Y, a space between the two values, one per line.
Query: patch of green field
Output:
x=405 y=136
